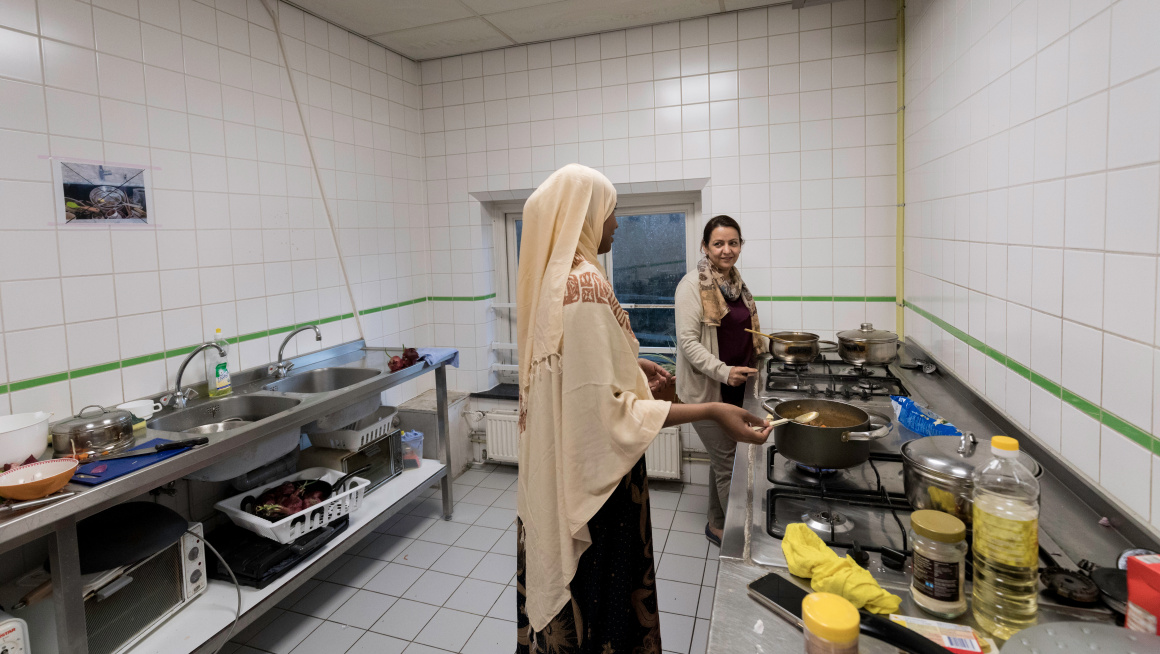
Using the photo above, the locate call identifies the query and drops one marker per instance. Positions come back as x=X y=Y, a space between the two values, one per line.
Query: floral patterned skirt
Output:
x=614 y=593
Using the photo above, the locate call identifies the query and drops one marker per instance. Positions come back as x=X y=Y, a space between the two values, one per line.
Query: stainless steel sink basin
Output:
x=250 y=408
x=322 y=380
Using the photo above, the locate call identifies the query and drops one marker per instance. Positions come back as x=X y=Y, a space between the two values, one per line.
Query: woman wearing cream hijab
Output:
x=585 y=579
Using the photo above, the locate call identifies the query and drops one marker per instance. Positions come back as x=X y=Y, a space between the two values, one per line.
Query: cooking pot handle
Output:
x=831 y=346
x=80 y=414
x=873 y=435
x=765 y=405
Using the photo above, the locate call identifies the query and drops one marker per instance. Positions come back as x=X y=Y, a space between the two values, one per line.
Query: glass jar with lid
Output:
x=940 y=550
x=830 y=624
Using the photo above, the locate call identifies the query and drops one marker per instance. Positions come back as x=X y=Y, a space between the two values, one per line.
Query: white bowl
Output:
x=23 y=435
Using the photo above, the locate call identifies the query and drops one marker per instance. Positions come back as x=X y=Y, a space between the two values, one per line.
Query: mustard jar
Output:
x=940 y=550
x=831 y=624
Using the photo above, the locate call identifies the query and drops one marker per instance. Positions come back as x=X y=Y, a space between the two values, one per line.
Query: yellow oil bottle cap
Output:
x=1005 y=443
x=831 y=617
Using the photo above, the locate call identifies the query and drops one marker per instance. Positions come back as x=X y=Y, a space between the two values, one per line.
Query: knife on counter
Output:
x=162 y=447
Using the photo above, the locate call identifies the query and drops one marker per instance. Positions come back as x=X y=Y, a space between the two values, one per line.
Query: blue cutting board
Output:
x=120 y=467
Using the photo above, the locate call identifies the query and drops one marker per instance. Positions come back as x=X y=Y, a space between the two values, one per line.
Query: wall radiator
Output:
x=503 y=436
x=663 y=458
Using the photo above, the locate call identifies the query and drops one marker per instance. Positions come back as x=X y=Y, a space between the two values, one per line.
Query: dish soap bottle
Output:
x=217 y=372
x=1006 y=541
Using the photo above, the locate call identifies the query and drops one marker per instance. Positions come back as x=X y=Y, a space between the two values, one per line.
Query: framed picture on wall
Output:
x=91 y=193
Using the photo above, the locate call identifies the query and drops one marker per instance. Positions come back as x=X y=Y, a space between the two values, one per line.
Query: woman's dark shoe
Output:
x=711 y=536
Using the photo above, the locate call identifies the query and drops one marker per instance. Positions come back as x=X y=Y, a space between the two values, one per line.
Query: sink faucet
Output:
x=283 y=367
x=180 y=397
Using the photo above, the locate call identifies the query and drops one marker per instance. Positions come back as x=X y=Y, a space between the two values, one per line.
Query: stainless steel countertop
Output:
x=1069 y=525
x=36 y=522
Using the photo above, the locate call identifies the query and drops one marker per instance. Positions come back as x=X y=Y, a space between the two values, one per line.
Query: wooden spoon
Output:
x=759 y=334
x=803 y=419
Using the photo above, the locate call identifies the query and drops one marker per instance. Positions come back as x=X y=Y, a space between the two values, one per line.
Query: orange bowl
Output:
x=37 y=480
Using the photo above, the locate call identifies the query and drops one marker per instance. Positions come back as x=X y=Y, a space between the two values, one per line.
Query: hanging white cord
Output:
x=314 y=165
x=237 y=587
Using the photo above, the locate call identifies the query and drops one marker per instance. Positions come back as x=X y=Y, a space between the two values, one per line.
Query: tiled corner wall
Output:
x=789 y=113
x=239 y=238
x=1032 y=190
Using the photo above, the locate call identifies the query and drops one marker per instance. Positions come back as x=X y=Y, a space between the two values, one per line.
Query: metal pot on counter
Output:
x=867 y=345
x=838 y=438
x=937 y=471
x=89 y=432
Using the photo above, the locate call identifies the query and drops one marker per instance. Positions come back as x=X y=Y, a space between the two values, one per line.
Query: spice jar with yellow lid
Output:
x=831 y=624
x=940 y=549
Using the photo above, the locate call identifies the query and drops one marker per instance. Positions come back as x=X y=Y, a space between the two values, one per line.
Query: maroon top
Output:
x=734 y=344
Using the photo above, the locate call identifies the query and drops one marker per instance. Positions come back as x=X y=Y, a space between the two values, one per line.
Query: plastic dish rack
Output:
x=291 y=527
x=358 y=435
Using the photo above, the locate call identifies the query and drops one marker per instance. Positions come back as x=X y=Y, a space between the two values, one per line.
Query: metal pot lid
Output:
x=93 y=418
x=956 y=456
x=867 y=334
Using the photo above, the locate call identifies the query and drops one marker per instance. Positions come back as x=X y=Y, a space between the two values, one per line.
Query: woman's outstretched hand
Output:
x=740 y=425
x=658 y=377
x=738 y=375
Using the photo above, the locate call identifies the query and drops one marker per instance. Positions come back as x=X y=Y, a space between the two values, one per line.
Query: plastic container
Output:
x=940 y=552
x=830 y=624
x=360 y=433
x=217 y=370
x=288 y=529
x=1006 y=542
x=412 y=449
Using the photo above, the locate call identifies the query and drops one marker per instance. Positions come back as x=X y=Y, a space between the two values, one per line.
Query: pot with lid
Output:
x=937 y=471
x=93 y=430
x=867 y=345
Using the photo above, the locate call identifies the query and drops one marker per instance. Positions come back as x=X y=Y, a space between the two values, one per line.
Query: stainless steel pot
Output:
x=937 y=471
x=867 y=345
x=105 y=431
x=843 y=441
x=797 y=347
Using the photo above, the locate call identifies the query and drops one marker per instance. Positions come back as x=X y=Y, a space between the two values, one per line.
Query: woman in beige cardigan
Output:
x=714 y=352
x=584 y=565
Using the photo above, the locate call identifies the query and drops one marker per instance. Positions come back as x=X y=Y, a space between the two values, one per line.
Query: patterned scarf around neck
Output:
x=716 y=288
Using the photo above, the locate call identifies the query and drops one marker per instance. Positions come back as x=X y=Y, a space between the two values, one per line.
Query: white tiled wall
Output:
x=239 y=235
x=789 y=113
x=1032 y=188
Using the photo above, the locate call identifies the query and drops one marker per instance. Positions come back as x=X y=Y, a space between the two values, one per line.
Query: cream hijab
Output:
x=586 y=413
x=563 y=217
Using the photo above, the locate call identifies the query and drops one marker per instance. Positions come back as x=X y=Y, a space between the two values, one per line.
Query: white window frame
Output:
x=504 y=215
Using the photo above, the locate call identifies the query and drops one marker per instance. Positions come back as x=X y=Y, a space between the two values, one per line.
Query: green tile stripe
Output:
x=156 y=356
x=824 y=298
x=429 y=298
x=1141 y=437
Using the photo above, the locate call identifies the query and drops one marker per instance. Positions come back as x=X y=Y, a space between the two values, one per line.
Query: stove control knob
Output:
x=893 y=559
x=859 y=555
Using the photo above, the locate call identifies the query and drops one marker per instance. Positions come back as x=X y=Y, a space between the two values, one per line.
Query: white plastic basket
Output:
x=358 y=435
x=291 y=527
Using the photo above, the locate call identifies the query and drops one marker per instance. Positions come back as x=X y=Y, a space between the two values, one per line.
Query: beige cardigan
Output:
x=700 y=372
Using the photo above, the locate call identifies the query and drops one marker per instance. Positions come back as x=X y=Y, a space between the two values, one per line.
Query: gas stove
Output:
x=863 y=508
x=831 y=378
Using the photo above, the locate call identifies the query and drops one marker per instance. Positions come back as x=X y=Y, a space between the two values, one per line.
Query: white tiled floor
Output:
x=422 y=585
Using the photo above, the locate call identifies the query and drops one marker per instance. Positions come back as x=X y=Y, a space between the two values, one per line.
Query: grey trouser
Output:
x=721 y=450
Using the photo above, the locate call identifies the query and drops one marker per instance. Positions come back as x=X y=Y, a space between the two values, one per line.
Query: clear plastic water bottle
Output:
x=1006 y=542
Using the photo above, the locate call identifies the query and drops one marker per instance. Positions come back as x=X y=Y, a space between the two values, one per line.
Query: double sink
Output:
x=252 y=408
x=216 y=417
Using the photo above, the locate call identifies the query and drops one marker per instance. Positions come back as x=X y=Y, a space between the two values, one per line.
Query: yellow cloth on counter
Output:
x=808 y=556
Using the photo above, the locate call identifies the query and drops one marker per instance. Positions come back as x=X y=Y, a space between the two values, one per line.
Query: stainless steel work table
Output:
x=1069 y=525
x=58 y=521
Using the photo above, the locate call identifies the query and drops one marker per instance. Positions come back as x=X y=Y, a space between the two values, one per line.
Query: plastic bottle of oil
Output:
x=217 y=371
x=1006 y=542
